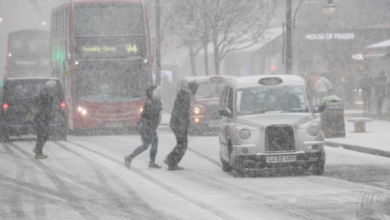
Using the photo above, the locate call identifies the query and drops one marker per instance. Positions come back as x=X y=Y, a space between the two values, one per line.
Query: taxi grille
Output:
x=279 y=138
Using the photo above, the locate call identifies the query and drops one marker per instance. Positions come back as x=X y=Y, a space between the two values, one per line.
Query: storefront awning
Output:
x=377 y=50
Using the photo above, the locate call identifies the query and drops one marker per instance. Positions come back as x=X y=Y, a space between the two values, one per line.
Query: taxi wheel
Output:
x=319 y=168
x=226 y=167
x=238 y=174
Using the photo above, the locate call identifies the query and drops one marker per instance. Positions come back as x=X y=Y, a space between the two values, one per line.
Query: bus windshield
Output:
x=209 y=91
x=108 y=18
x=110 y=82
x=29 y=44
x=29 y=54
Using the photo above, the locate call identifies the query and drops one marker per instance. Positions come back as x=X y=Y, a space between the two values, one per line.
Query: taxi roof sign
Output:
x=270 y=81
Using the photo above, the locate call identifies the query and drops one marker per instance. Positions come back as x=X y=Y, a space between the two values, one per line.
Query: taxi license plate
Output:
x=29 y=117
x=214 y=124
x=114 y=125
x=280 y=158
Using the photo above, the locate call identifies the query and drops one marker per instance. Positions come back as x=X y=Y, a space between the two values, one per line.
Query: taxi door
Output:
x=227 y=104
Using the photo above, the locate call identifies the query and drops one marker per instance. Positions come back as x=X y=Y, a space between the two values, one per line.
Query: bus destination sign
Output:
x=109 y=48
x=130 y=48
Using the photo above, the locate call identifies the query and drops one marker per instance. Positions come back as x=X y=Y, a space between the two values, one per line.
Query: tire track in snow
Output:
x=15 y=198
x=133 y=211
x=60 y=185
x=366 y=203
x=50 y=196
x=373 y=206
x=162 y=185
x=273 y=207
x=39 y=207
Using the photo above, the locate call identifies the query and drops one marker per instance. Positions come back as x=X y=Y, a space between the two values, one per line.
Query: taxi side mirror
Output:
x=319 y=108
x=225 y=112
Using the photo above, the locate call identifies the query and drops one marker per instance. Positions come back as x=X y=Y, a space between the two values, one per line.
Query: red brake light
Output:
x=5 y=106
x=63 y=105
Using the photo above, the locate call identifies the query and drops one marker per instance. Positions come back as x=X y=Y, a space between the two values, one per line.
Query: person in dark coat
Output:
x=380 y=90
x=147 y=126
x=366 y=84
x=43 y=116
x=179 y=123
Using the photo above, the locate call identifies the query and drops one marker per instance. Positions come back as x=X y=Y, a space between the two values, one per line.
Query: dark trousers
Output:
x=367 y=101
x=178 y=152
x=148 y=137
x=379 y=103
x=43 y=134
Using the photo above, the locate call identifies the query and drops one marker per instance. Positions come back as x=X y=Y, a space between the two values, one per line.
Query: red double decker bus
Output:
x=28 y=54
x=100 y=51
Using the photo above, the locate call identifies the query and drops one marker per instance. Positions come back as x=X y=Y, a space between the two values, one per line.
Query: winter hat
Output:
x=149 y=91
x=193 y=86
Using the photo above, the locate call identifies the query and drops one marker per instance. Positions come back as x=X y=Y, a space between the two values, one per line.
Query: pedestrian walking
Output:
x=43 y=116
x=179 y=123
x=147 y=126
x=380 y=90
x=366 y=84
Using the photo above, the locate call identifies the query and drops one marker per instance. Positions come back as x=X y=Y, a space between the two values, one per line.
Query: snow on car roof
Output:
x=253 y=81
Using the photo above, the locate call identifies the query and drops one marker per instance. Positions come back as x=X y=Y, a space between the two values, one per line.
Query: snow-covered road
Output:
x=85 y=178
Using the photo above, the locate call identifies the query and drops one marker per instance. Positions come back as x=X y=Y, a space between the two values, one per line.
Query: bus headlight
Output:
x=244 y=134
x=141 y=110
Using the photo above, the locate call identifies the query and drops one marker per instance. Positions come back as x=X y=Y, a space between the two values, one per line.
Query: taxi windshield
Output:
x=260 y=100
x=209 y=90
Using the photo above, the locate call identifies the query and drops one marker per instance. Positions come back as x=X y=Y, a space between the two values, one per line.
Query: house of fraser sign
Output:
x=331 y=36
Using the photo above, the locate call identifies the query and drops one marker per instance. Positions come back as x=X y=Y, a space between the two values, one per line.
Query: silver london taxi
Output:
x=268 y=126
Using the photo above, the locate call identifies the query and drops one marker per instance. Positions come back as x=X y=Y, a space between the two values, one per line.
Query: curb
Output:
x=359 y=149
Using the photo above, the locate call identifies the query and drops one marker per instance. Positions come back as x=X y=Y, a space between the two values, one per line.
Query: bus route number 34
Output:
x=131 y=48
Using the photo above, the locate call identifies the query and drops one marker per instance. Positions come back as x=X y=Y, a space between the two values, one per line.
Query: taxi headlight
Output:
x=196 y=110
x=82 y=111
x=313 y=131
x=244 y=134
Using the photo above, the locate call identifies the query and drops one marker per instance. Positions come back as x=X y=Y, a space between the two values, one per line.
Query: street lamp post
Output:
x=328 y=10
x=288 y=36
x=191 y=31
x=158 y=43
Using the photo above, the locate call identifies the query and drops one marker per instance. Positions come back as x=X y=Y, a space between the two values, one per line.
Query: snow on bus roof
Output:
x=253 y=81
x=90 y=1
x=27 y=30
x=32 y=78
x=82 y=1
